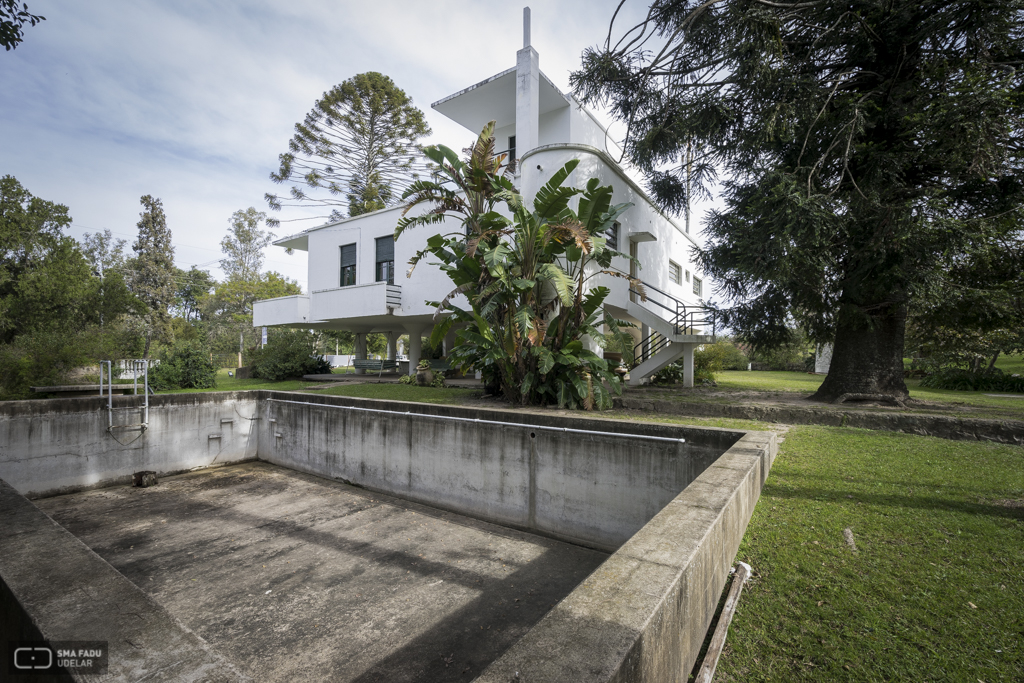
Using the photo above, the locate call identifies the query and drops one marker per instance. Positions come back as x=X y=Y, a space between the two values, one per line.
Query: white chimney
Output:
x=527 y=92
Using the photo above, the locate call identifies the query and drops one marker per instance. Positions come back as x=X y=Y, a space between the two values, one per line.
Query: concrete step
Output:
x=667 y=355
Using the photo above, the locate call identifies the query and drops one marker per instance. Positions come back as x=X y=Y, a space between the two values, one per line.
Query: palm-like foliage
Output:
x=525 y=276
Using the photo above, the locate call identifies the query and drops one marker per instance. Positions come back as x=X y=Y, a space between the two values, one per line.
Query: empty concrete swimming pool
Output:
x=298 y=537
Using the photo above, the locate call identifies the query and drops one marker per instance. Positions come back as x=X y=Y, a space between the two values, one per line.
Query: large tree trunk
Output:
x=867 y=359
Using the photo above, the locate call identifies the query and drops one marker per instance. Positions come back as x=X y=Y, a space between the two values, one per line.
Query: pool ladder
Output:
x=135 y=366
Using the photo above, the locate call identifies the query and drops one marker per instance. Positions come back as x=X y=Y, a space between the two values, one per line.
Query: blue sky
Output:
x=192 y=102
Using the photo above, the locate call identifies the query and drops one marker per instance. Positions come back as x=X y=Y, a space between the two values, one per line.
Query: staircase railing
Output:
x=684 y=318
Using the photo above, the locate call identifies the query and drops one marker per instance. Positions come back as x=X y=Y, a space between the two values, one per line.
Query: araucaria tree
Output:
x=152 y=270
x=526 y=278
x=860 y=145
x=357 y=148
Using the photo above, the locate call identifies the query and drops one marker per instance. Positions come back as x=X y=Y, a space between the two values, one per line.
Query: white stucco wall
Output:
x=427 y=281
x=671 y=243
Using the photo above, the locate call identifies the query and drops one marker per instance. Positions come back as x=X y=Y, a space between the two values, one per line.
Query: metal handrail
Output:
x=684 y=317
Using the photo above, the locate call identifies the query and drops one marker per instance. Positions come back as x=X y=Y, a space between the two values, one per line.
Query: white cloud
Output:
x=193 y=101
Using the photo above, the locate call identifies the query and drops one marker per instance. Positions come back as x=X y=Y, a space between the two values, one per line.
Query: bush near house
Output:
x=186 y=366
x=708 y=360
x=288 y=355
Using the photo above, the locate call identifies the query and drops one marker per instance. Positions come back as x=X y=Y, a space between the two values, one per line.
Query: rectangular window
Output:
x=697 y=285
x=348 y=265
x=687 y=276
x=386 y=260
x=612 y=234
x=512 y=148
x=675 y=273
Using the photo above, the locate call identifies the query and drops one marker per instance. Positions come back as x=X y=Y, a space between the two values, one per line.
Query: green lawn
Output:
x=394 y=392
x=740 y=380
x=1011 y=364
x=934 y=591
x=405 y=392
x=225 y=383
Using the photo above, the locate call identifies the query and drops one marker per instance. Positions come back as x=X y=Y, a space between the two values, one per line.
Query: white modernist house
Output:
x=357 y=272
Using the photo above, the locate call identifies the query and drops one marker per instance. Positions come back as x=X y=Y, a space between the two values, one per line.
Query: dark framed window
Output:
x=348 y=265
x=386 y=260
x=512 y=147
x=612 y=234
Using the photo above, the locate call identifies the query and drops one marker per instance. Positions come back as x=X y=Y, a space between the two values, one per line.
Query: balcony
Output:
x=284 y=310
x=355 y=301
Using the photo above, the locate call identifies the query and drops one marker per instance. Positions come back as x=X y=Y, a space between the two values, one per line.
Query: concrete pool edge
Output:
x=641 y=616
x=71 y=593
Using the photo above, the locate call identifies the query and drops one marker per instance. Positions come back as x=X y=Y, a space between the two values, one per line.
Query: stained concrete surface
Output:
x=295 y=577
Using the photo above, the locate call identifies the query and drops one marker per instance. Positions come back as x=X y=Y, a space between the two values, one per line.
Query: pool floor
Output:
x=295 y=577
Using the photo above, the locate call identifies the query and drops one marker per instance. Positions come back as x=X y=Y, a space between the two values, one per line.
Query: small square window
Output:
x=675 y=273
x=697 y=285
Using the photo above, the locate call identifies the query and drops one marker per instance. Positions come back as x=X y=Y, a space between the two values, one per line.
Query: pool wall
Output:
x=672 y=502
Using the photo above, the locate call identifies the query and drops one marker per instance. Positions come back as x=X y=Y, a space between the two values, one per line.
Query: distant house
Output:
x=357 y=272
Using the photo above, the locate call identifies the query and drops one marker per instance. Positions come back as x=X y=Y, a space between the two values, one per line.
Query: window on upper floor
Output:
x=675 y=273
x=697 y=286
x=612 y=234
x=687 y=276
x=348 y=265
x=386 y=259
x=512 y=148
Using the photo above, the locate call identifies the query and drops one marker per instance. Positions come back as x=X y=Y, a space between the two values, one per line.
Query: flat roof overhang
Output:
x=495 y=99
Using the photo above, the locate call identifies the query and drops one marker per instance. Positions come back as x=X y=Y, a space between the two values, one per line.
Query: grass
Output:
x=405 y=392
x=1011 y=364
x=933 y=592
x=796 y=382
x=392 y=392
x=225 y=383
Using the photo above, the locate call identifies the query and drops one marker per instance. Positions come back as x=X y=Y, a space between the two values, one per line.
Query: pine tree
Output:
x=862 y=145
x=152 y=271
x=357 y=147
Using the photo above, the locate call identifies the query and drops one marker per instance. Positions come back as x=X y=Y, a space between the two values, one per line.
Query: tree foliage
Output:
x=12 y=22
x=526 y=278
x=51 y=304
x=357 y=148
x=186 y=366
x=860 y=144
x=152 y=270
x=244 y=244
x=192 y=286
x=288 y=354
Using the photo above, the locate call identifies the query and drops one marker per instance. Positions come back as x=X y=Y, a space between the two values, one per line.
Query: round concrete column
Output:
x=415 y=347
x=360 y=350
x=392 y=345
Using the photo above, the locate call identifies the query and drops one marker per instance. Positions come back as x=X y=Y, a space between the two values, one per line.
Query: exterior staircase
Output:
x=676 y=329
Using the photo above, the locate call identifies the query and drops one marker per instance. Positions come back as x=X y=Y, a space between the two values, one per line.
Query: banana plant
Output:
x=525 y=273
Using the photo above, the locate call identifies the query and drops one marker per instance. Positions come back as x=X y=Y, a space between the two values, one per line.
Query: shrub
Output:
x=186 y=366
x=965 y=380
x=733 y=358
x=43 y=357
x=707 y=360
x=287 y=355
